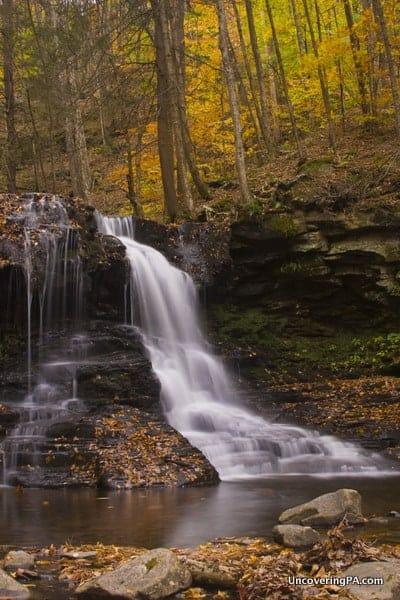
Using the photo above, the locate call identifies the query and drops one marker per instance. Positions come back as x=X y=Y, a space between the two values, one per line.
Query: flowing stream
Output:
x=197 y=393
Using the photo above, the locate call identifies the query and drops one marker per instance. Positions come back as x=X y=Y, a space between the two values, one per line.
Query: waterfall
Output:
x=197 y=393
x=54 y=292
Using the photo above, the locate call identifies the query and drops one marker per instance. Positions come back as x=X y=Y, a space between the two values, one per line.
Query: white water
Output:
x=197 y=393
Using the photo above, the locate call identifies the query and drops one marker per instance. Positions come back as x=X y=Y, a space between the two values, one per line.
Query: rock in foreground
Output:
x=388 y=571
x=156 y=574
x=296 y=536
x=11 y=589
x=18 y=559
x=328 y=509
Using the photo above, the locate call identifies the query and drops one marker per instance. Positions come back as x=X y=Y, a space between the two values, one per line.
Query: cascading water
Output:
x=50 y=247
x=197 y=394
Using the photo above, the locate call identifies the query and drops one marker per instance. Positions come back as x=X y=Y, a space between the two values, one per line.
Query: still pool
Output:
x=176 y=517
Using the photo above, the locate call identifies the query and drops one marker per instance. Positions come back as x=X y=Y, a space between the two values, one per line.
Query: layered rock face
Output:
x=319 y=267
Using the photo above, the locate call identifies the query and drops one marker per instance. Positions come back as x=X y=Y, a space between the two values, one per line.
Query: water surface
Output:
x=174 y=517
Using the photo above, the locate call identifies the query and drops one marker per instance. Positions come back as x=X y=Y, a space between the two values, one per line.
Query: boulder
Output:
x=328 y=509
x=390 y=573
x=18 y=559
x=296 y=536
x=10 y=589
x=156 y=574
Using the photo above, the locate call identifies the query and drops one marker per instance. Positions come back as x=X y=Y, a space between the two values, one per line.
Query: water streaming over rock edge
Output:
x=54 y=290
x=197 y=393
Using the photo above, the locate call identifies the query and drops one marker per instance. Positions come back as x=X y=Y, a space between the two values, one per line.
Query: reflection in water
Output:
x=171 y=517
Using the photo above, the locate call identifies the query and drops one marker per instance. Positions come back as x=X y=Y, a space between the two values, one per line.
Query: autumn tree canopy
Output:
x=156 y=101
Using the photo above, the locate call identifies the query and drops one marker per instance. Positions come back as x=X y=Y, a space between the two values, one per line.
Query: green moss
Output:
x=300 y=346
x=285 y=225
x=252 y=210
x=318 y=165
x=151 y=564
x=251 y=325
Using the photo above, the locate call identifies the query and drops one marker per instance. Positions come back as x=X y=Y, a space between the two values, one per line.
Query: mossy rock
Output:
x=317 y=166
x=285 y=225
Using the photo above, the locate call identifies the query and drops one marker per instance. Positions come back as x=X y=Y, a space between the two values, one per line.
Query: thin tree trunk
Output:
x=233 y=101
x=355 y=48
x=301 y=43
x=322 y=79
x=47 y=101
x=66 y=77
x=178 y=44
x=284 y=82
x=172 y=83
x=340 y=74
x=372 y=76
x=268 y=51
x=246 y=101
x=164 y=117
x=9 y=93
x=132 y=195
x=37 y=143
x=138 y=160
x=380 y=17
x=260 y=73
x=250 y=77
x=75 y=135
x=318 y=18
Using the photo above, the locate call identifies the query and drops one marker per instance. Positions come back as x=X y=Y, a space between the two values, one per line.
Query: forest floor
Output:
x=362 y=166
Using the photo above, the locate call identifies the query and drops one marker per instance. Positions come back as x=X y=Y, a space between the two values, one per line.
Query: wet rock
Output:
x=154 y=575
x=328 y=509
x=296 y=536
x=123 y=378
x=8 y=418
x=18 y=559
x=137 y=449
x=71 y=430
x=211 y=575
x=11 y=589
x=388 y=590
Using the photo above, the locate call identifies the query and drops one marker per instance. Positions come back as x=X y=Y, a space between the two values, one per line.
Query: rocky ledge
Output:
x=115 y=437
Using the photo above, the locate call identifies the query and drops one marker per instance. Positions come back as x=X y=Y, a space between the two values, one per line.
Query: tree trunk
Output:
x=301 y=43
x=380 y=17
x=172 y=90
x=75 y=135
x=178 y=45
x=284 y=82
x=164 y=116
x=233 y=101
x=246 y=101
x=355 y=48
x=322 y=80
x=260 y=73
x=9 y=94
x=373 y=82
x=250 y=77
x=36 y=142
x=132 y=195
x=69 y=95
